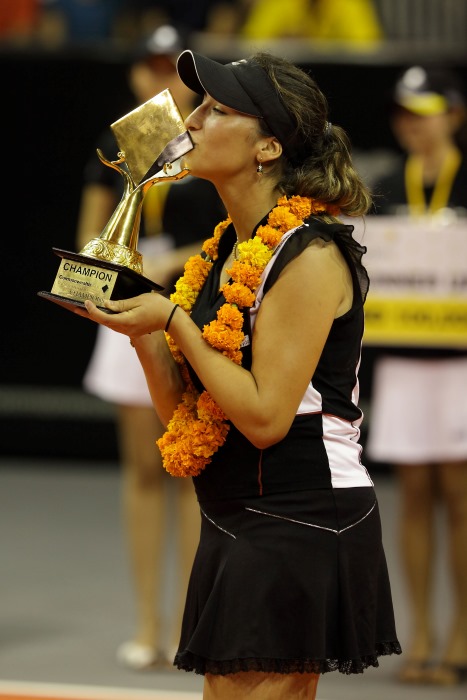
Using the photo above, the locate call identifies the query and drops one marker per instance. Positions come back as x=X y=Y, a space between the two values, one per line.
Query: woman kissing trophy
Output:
x=110 y=267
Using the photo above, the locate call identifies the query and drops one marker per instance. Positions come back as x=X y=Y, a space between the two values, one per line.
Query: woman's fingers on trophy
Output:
x=94 y=313
x=111 y=306
x=119 y=306
x=124 y=315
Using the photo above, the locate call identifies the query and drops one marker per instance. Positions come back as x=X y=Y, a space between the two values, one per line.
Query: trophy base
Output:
x=70 y=304
x=82 y=277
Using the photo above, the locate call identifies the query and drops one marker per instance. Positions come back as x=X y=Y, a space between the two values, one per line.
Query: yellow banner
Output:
x=412 y=321
x=418 y=281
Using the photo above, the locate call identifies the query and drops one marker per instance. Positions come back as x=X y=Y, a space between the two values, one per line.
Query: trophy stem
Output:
x=119 y=239
x=123 y=226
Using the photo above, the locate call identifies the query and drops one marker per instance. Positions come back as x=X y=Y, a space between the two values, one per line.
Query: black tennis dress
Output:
x=290 y=573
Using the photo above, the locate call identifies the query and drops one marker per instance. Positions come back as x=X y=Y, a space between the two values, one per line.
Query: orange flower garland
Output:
x=199 y=427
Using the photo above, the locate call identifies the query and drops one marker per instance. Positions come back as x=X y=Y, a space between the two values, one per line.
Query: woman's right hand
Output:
x=134 y=317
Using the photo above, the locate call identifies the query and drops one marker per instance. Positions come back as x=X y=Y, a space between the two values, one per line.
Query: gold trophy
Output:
x=110 y=267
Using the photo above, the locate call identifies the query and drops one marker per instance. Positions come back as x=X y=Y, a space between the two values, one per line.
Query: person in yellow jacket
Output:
x=354 y=21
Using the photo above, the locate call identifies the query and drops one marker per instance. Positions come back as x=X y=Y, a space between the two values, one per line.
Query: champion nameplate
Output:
x=76 y=280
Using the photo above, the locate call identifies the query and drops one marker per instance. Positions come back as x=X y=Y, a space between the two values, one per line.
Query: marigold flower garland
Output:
x=199 y=427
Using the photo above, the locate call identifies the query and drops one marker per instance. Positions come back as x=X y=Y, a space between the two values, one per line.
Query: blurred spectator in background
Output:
x=355 y=22
x=84 y=20
x=19 y=19
x=419 y=403
x=428 y=119
x=115 y=375
x=350 y=21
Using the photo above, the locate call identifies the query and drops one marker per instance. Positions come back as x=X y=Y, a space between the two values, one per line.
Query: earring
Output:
x=259 y=169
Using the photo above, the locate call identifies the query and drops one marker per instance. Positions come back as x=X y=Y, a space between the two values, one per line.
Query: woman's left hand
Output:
x=133 y=317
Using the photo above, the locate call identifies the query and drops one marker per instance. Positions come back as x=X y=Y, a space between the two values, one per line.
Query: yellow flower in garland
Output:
x=199 y=426
x=188 y=287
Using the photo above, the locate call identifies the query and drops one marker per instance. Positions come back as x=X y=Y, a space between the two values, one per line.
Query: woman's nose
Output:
x=193 y=121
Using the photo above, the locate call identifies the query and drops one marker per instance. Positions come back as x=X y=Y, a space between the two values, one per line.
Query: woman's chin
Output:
x=188 y=162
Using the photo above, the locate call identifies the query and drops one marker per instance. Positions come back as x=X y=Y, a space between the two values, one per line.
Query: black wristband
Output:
x=166 y=329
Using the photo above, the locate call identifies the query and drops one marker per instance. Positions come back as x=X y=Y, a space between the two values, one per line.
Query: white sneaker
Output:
x=137 y=656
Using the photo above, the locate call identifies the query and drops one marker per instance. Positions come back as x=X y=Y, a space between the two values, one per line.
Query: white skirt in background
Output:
x=418 y=411
x=114 y=372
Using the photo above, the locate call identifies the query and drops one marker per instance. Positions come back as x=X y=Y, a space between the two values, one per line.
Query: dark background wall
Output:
x=53 y=108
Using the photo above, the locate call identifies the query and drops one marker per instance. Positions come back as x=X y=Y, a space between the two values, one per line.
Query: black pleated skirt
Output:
x=289 y=583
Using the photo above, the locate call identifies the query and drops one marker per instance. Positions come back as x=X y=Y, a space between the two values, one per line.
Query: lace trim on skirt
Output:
x=186 y=661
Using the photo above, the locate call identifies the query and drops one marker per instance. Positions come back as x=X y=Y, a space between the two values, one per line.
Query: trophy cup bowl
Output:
x=110 y=266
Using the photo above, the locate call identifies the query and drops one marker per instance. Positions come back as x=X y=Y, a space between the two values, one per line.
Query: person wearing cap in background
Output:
x=258 y=387
x=419 y=400
x=167 y=239
x=427 y=117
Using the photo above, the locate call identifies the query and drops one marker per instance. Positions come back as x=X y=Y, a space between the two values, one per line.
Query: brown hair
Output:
x=327 y=172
